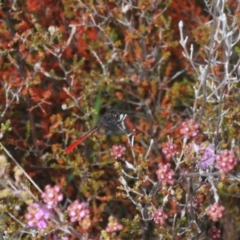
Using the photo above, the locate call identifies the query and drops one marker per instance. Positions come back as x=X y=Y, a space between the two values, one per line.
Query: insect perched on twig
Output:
x=109 y=122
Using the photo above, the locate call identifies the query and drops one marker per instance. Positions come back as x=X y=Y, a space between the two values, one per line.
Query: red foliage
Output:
x=64 y=62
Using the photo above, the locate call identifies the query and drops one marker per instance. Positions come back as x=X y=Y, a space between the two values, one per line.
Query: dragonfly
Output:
x=109 y=122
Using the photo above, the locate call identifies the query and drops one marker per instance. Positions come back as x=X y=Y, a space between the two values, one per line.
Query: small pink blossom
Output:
x=208 y=157
x=113 y=225
x=193 y=204
x=214 y=233
x=189 y=128
x=159 y=217
x=215 y=211
x=226 y=161
x=52 y=195
x=77 y=211
x=117 y=151
x=169 y=150
x=60 y=238
x=165 y=174
x=37 y=215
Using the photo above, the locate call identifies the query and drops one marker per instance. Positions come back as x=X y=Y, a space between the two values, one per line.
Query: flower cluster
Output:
x=215 y=212
x=77 y=211
x=117 y=151
x=61 y=238
x=165 y=173
x=226 y=161
x=189 y=128
x=194 y=203
x=169 y=150
x=113 y=225
x=214 y=233
x=208 y=157
x=159 y=216
x=203 y=155
x=52 y=196
x=37 y=215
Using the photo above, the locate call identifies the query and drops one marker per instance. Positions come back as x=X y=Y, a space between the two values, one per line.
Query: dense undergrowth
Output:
x=172 y=67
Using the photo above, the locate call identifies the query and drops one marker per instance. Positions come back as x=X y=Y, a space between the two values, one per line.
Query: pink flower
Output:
x=159 y=217
x=52 y=196
x=208 y=157
x=226 y=161
x=214 y=233
x=169 y=150
x=37 y=215
x=165 y=173
x=117 y=151
x=215 y=211
x=77 y=211
x=189 y=128
x=113 y=225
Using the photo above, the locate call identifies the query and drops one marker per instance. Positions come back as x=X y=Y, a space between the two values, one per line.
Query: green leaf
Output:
x=97 y=105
